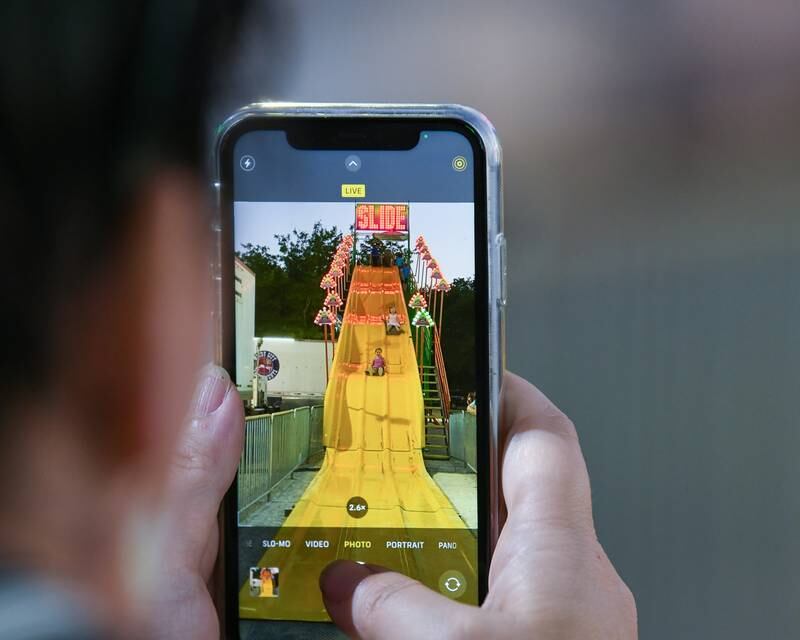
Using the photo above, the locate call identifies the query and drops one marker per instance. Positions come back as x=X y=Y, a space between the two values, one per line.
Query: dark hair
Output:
x=94 y=96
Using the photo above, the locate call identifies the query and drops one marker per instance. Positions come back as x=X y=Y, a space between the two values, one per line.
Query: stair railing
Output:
x=441 y=373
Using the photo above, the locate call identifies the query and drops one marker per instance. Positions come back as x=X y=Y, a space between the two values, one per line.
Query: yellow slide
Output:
x=373 y=434
x=374 y=427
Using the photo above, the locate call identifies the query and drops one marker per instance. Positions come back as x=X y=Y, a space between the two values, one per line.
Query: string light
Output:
x=417 y=301
x=324 y=317
x=422 y=319
x=333 y=300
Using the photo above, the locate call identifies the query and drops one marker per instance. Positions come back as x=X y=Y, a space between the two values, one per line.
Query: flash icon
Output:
x=247 y=163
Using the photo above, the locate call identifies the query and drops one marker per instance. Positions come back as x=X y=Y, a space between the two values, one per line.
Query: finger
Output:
x=545 y=484
x=210 y=446
x=205 y=465
x=367 y=602
x=543 y=466
x=522 y=402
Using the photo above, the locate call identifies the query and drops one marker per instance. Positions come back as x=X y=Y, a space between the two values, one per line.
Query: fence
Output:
x=463 y=438
x=274 y=446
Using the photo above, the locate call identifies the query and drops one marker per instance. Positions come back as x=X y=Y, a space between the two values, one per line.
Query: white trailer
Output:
x=245 y=319
x=298 y=366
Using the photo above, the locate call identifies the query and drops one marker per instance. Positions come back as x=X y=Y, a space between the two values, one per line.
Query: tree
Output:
x=458 y=336
x=287 y=283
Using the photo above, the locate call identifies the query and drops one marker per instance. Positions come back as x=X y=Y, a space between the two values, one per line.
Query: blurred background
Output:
x=652 y=212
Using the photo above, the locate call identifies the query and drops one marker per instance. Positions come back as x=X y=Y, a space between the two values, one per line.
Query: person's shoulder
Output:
x=38 y=609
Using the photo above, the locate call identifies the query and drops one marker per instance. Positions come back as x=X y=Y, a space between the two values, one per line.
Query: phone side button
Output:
x=503 y=260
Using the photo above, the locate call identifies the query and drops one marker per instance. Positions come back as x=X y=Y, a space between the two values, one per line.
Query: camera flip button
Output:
x=452 y=584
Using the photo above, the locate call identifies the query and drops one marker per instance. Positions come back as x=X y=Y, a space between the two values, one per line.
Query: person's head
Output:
x=104 y=278
x=392 y=309
x=378 y=351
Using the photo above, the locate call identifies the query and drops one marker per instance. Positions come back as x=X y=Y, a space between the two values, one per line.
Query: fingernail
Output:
x=213 y=385
x=340 y=578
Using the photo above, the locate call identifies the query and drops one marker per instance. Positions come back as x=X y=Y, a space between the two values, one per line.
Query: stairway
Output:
x=436 y=420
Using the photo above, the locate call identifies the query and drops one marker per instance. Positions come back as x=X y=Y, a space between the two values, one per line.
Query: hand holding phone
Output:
x=550 y=578
x=202 y=468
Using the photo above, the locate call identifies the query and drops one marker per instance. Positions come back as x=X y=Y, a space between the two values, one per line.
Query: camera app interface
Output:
x=356 y=363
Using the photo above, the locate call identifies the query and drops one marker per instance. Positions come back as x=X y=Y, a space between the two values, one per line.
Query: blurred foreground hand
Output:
x=549 y=578
x=203 y=469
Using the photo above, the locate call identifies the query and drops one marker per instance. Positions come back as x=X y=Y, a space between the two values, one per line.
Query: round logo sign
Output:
x=267 y=364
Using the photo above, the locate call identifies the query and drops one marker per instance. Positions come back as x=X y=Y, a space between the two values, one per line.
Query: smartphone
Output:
x=361 y=297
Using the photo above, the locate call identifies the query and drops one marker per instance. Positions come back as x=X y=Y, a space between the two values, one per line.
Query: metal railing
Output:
x=274 y=446
x=444 y=387
x=463 y=438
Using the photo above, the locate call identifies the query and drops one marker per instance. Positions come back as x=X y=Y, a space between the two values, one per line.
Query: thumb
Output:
x=204 y=465
x=209 y=448
x=366 y=601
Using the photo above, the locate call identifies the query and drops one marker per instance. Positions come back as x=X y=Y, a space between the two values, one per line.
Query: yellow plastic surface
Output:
x=374 y=427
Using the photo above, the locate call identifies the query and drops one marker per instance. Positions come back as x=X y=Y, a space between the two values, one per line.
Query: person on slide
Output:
x=393 y=327
x=378 y=366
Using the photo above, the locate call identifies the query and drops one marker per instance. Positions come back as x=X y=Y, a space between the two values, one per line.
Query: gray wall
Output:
x=654 y=244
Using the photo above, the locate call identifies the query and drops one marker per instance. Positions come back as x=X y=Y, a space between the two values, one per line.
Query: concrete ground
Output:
x=460 y=486
x=446 y=466
x=272 y=513
x=452 y=476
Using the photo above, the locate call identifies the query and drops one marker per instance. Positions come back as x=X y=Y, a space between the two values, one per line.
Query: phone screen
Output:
x=356 y=353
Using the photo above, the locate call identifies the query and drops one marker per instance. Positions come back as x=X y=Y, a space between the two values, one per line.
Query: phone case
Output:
x=496 y=245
